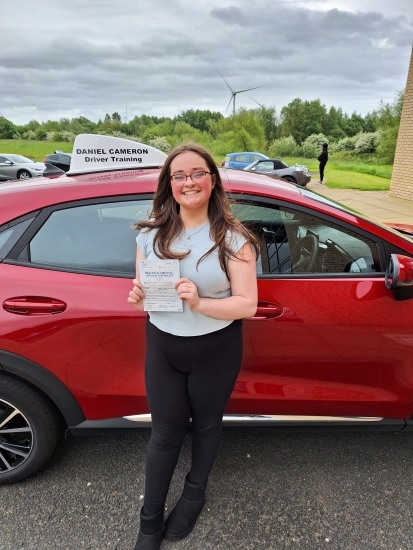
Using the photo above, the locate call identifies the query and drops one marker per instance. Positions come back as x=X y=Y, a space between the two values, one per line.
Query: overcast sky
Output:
x=66 y=58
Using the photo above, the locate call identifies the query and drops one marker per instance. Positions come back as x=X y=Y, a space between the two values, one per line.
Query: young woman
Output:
x=323 y=159
x=192 y=357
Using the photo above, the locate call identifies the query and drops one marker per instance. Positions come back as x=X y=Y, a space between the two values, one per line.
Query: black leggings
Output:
x=322 y=166
x=187 y=377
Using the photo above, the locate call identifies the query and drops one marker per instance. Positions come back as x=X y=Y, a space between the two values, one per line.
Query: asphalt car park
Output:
x=298 y=174
x=329 y=347
x=312 y=491
x=18 y=167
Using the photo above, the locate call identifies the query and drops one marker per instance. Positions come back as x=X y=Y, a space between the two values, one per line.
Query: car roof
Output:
x=246 y=152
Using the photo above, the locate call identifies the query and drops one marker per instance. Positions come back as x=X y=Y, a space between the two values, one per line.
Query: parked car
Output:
x=59 y=159
x=240 y=160
x=298 y=174
x=18 y=167
x=329 y=347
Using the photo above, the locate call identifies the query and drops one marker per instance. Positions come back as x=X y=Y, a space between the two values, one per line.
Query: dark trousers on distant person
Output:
x=186 y=377
x=322 y=166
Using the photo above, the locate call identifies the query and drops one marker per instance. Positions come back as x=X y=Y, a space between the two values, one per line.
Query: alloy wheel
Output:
x=16 y=437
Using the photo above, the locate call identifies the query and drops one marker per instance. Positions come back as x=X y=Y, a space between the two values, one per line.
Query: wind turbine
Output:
x=234 y=93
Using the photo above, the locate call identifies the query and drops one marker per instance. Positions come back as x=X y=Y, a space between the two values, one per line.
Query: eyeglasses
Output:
x=197 y=177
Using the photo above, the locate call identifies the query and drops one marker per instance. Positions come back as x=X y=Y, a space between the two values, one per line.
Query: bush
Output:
x=41 y=134
x=30 y=135
x=160 y=143
x=68 y=136
x=366 y=142
x=283 y=147
x=346 y=144
x=316 y=140
x=386 y=149
x=308 y=150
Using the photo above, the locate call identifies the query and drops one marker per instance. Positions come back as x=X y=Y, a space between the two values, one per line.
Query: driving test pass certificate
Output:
x=158 y=278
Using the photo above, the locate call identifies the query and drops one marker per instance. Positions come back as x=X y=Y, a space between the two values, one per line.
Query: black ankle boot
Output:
x=183 y=517
x=151 y=532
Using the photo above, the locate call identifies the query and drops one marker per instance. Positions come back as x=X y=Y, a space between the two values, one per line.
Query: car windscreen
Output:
x=316 y=197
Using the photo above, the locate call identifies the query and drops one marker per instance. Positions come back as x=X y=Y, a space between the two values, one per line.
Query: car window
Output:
x=19 y=159
x=91 y=238
x=295 y=242
x=253 y=158
x=239 y=158
x=3 y=159
x=10 y=235
x=264 y=165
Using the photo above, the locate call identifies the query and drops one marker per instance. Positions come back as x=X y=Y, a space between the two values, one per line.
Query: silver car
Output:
x=298 y=174
x=17 y=167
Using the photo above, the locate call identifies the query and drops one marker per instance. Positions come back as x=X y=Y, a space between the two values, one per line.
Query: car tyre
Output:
x=29 y=430
x=289 y=179
x=24 y=175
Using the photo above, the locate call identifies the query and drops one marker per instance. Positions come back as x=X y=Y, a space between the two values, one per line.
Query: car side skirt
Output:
x=238 y=422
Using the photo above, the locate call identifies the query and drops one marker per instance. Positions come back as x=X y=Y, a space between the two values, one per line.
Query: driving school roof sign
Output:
x=95 y=153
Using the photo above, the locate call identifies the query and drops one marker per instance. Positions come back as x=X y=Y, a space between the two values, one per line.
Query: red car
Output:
x=330 y=345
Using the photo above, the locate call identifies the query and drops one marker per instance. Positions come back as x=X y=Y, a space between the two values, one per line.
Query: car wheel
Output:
x=289 y=178
x=29 y=430
x=24 y=175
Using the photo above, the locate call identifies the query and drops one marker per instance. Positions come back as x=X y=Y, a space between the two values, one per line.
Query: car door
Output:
x=239 y=161
x=329 y=339
x=7 y=169
x=65 y=302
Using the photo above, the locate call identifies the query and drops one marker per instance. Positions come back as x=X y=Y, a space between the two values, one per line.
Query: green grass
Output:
x=35 y=150
x=341 y=179
x=350 y=175
x=339 y=174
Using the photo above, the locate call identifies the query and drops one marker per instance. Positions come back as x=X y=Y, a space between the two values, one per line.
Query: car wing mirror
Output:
x=399 y=276
x=8 y=162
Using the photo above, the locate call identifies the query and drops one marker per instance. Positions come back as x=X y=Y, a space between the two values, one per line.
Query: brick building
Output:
x=402 y=177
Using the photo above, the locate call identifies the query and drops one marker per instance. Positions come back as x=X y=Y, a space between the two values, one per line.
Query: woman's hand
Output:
x=136 y=295
x=188 y=292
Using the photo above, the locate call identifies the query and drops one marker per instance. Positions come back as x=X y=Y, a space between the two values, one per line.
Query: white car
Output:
x=17 y=167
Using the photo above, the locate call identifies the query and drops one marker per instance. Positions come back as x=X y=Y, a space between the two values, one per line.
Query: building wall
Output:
x=402 y=177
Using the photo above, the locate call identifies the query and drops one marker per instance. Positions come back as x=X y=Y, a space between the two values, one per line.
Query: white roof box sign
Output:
x=94 y=153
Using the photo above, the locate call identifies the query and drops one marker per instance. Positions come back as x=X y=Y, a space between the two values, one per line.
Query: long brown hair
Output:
x=166 y=219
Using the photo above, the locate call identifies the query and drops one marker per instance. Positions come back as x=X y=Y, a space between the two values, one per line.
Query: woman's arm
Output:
x=243 y=301
x=136 y=295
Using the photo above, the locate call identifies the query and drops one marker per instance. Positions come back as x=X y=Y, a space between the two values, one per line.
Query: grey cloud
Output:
x=159 y=56
x=231 y=15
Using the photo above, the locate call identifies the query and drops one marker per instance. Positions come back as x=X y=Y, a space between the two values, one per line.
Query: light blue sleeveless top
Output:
x=209 y=279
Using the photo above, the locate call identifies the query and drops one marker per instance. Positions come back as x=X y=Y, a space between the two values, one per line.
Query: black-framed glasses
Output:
x=195 y=177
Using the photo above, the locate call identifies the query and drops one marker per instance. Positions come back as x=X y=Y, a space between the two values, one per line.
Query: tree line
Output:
x=297 y=130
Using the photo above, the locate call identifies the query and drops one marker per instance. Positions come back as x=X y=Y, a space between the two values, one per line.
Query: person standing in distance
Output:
x=323 y=159
x=192 y=357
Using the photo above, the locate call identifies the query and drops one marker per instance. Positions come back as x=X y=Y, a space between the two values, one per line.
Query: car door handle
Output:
x=34 y=305
x=267 y=310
